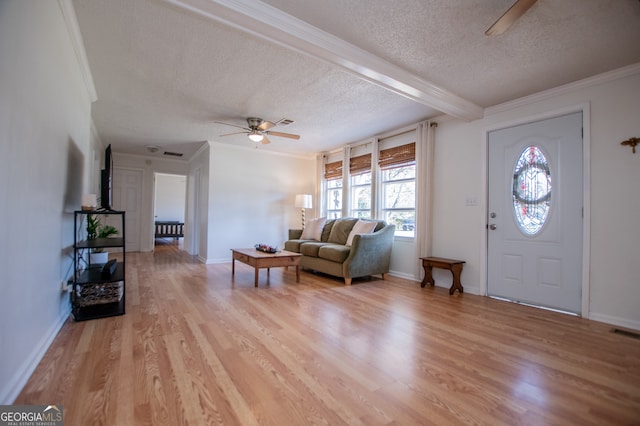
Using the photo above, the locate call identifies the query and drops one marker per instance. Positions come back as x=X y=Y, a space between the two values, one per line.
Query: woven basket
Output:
x=96 y=294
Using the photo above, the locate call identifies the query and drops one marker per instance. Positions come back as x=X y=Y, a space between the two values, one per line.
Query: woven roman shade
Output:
x=398 y=156
x=360 y=164
x=333 y=170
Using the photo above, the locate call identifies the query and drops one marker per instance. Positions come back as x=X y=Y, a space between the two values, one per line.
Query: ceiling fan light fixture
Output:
x=259 y=130
x=256 y=136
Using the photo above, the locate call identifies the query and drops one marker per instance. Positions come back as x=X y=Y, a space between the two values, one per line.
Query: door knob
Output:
x=493 y=227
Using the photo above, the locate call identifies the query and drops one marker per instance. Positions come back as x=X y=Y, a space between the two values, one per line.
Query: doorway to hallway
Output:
x=169 y=208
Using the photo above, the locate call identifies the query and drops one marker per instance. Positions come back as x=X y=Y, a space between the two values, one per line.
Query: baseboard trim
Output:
x=12 y=389
x=620 y=322
x=214 y=261
x=467 y=289
x=404 y=276
x=207 y=261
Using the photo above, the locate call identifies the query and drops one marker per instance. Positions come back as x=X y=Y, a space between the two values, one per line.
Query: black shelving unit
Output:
x=96 y=293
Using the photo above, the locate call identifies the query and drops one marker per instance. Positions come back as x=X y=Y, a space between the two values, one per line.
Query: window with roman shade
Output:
x=333 y=189
x=360 y=175
x=333 y=170
x=374 y=180
x=360 y=164
x=398 y=184
x=398 y=156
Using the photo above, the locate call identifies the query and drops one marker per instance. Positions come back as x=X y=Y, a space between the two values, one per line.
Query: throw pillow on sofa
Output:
x=361 y=227
x=340 y=230
x=313 y=229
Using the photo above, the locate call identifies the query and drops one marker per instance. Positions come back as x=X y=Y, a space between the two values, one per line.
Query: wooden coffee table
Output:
x=259 y=259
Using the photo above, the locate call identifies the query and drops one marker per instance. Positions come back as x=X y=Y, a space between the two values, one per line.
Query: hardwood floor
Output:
x=196 y=347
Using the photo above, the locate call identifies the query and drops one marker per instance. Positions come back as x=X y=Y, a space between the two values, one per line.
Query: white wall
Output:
x=46 y=161
x=251 y=197
x=197 y=214
x=613 y=101
x=171 y=195
x=404 y=259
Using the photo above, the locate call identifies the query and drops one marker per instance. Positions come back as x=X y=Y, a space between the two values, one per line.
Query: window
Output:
x=333 y=194
x=398 y=181
x=360 y=175
x=531 y=190
x=334 y=198
x=385 y=189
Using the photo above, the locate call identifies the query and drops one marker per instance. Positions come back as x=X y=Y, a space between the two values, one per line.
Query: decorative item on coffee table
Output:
x=266 y=248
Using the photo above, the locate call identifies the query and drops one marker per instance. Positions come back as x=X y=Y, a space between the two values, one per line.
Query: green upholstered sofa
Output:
x=368 y=253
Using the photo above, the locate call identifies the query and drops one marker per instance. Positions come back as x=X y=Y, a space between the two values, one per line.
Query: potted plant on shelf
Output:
x=96 y=230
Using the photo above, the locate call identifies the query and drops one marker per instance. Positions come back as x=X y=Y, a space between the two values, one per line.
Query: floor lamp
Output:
x=303 y=201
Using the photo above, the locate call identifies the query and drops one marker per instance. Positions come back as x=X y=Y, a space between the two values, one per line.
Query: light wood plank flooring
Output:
x=199 y=348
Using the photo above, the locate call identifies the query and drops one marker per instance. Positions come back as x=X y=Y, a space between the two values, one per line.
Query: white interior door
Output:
x=127 y=196
x=535 y=213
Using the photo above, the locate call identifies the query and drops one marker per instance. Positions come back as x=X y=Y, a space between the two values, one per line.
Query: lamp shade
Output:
x=303 y=201
x=256 y=136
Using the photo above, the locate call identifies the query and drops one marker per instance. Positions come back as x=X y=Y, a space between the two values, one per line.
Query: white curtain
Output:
x=346 y=182
x=425 y=144
x=375 y=179
x=319 y=208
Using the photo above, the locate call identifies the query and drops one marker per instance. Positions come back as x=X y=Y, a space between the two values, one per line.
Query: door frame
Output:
x=155 y=174
x=586 y=179
x=192 y=236
x=141 y=218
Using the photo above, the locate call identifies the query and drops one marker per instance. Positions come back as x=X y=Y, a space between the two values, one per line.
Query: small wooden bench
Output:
x=166 y=229
x=455 y=266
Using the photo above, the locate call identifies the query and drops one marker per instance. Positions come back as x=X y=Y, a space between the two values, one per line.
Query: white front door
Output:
x=127 y=190
x=535 y=213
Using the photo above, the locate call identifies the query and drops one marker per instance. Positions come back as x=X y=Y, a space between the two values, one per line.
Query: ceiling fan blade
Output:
x=266 y=125
x=284 y=135
x=232 y=125
x=509 y=17
x=235 y=133
x=265 y=140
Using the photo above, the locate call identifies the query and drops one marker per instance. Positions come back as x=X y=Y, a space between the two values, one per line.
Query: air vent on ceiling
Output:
x=173 y=154
x=284 y=122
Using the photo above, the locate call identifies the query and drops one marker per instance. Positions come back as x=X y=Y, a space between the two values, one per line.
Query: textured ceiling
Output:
x=164 y=74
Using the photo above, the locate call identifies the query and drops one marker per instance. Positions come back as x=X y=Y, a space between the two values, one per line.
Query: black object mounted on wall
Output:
x=105 y=180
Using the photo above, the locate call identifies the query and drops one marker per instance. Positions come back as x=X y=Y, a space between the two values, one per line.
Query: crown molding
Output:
x=71 y=21
x=203 y=148
x=271 y=24
x=564 y=89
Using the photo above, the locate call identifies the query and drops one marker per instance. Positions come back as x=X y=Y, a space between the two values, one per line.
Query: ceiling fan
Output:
x=509 y=17
x=258 y=130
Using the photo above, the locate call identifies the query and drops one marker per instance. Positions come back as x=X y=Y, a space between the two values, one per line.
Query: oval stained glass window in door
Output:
x=531 y=190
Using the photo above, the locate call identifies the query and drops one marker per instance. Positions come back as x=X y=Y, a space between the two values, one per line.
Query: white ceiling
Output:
x=164 y=71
